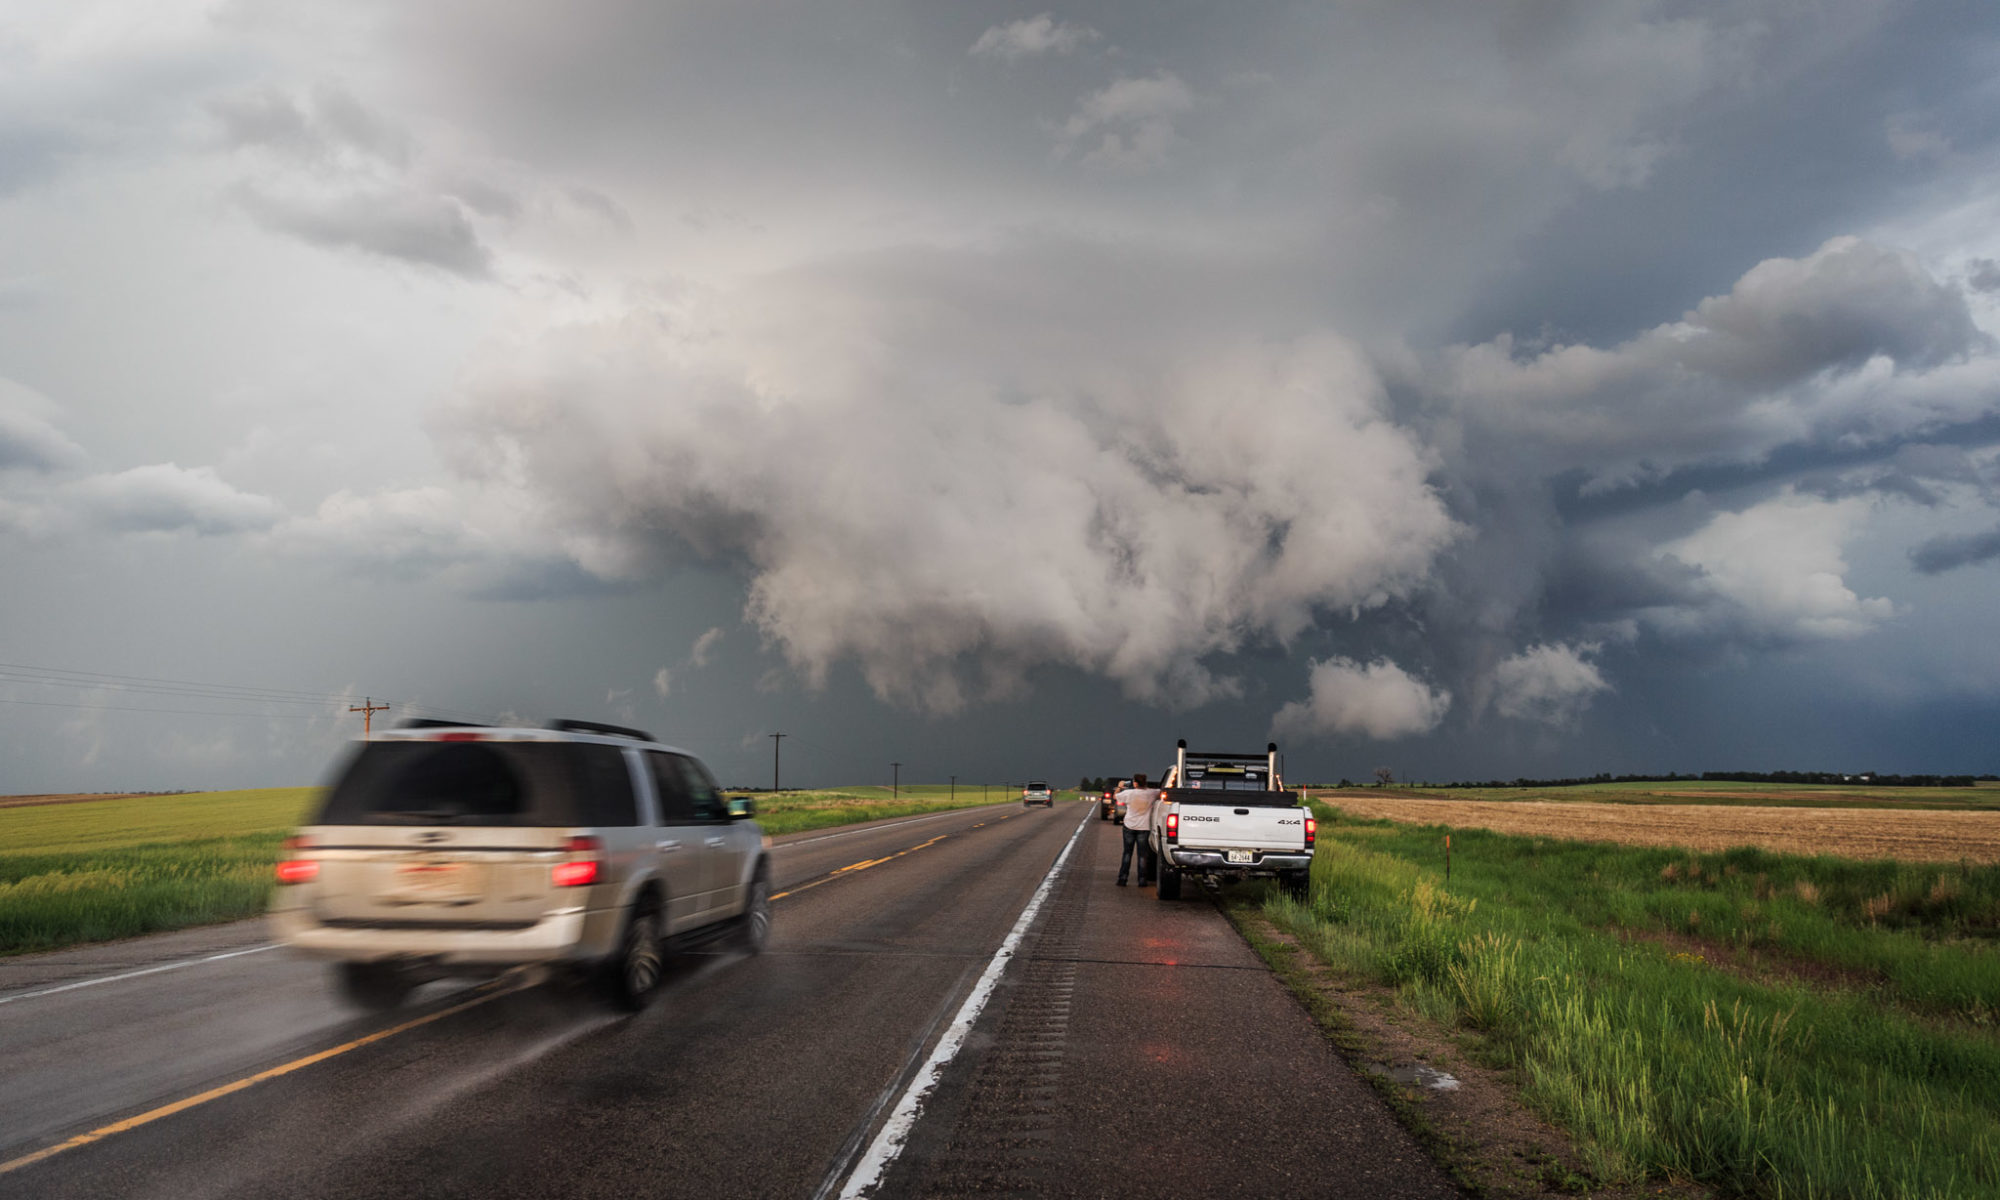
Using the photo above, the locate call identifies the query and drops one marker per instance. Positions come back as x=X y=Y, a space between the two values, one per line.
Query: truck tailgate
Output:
x=1223 y=826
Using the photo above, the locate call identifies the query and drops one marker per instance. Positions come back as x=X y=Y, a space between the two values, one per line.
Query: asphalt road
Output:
x=1125 y=1048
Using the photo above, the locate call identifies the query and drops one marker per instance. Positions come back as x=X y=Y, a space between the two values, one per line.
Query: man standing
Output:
x=1140 y=801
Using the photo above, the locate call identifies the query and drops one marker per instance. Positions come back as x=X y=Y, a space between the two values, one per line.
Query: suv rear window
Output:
x=483 y=783
x=1038 y=787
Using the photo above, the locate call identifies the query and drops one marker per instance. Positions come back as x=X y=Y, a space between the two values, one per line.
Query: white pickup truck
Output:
x=1229 y=816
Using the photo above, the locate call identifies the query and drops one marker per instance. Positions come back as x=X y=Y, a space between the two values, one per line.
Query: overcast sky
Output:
x=1476 y=389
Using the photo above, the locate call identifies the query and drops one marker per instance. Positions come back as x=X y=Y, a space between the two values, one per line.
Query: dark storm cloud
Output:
x=424 y=230
x=327 y=122
x=995 y=484
x=1384 y=371
x=1356 y=172
x=1942 y=554
x=28 y=441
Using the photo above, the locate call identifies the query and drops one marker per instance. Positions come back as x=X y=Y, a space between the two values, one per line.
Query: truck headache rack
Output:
x=565 y=725
x=1225 y=771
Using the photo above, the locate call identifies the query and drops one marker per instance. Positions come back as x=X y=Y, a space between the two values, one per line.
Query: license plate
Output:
x=436 y=883
x=1241 y=856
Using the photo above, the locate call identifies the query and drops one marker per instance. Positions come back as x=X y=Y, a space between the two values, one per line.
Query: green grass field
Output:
x=793 y=812
x=93 y=870
x=1697 y=791
x=1772 y=1026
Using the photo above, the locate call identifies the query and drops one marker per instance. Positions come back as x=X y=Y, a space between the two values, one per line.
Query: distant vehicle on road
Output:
x=1109 y=806
x=449 y=850
x=1038 y=792
x=1228 y=816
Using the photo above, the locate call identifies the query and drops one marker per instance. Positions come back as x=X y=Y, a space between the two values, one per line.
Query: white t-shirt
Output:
x=1139 y=804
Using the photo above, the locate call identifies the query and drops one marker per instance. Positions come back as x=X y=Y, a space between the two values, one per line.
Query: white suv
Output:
x=465 y=850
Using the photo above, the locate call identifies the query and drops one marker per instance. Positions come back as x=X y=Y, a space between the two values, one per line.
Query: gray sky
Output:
x=1477 y=389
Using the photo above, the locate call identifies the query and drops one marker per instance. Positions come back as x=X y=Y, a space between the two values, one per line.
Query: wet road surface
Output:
x=1129 y=1048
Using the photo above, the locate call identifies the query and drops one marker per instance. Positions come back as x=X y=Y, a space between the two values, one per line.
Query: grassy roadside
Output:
x=796 y=812
x=95 y=870
x=1768 y=1026
x=1979 y=798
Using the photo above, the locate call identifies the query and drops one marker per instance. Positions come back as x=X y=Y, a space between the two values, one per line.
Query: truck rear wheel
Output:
x=1169 y=882
x=1296 y=884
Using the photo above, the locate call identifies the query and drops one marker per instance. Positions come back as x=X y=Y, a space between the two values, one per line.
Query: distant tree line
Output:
x=1100 y=783
x=1870 y=778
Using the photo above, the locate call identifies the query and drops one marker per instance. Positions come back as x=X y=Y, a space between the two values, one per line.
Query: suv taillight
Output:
x=579 y=872
x=292 y=868
x=1173 y=827
x=1312 y=829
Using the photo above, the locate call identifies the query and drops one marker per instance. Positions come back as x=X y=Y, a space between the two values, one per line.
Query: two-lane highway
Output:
x=202 y=1065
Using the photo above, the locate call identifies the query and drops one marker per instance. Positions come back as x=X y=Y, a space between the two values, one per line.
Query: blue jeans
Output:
x=1136 y=837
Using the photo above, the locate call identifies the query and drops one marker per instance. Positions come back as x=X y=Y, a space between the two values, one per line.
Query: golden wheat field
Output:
x=1911 y=835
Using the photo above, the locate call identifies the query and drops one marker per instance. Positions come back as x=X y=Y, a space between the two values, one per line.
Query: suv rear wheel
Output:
x=375 y=986
x=755 y=927
x=632 y=975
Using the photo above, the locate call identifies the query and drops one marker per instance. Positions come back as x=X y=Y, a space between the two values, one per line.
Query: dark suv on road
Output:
x=467 y=850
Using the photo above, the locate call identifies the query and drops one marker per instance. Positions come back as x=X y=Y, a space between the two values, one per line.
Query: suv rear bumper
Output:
x=567 y=935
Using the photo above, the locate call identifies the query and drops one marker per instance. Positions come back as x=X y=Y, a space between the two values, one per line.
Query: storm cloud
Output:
x=1460 y=376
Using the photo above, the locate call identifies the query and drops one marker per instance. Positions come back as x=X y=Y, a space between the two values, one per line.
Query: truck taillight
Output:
x=580 y=871
x=1312 y=829
x=292 y=868
x=1173 y=827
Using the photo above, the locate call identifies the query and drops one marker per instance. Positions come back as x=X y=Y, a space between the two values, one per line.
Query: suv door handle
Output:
x=718 y=842
x=668 y=845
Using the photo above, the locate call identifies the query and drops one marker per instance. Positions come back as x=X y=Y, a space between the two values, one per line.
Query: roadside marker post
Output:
x=1447 y=860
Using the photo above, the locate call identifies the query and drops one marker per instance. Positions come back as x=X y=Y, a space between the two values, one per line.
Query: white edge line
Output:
x=888 y=1144
x=172 y=966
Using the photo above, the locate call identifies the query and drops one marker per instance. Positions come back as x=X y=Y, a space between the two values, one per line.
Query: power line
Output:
x=22 y=674
x=184 y=712
x=59 y=677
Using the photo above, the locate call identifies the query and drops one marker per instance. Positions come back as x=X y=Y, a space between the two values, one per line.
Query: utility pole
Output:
x=367 y=708
x=777 y=740
x=896 y=780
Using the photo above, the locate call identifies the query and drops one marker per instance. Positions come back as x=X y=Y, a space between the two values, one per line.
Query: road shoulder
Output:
x=1480 y=1130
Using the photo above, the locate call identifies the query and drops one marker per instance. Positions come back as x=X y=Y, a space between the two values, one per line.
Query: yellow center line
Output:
x=837 y=872
x=168 y=1110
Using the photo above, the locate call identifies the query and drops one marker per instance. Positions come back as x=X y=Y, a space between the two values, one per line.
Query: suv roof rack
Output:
x=434 y=723
x=566 y=725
